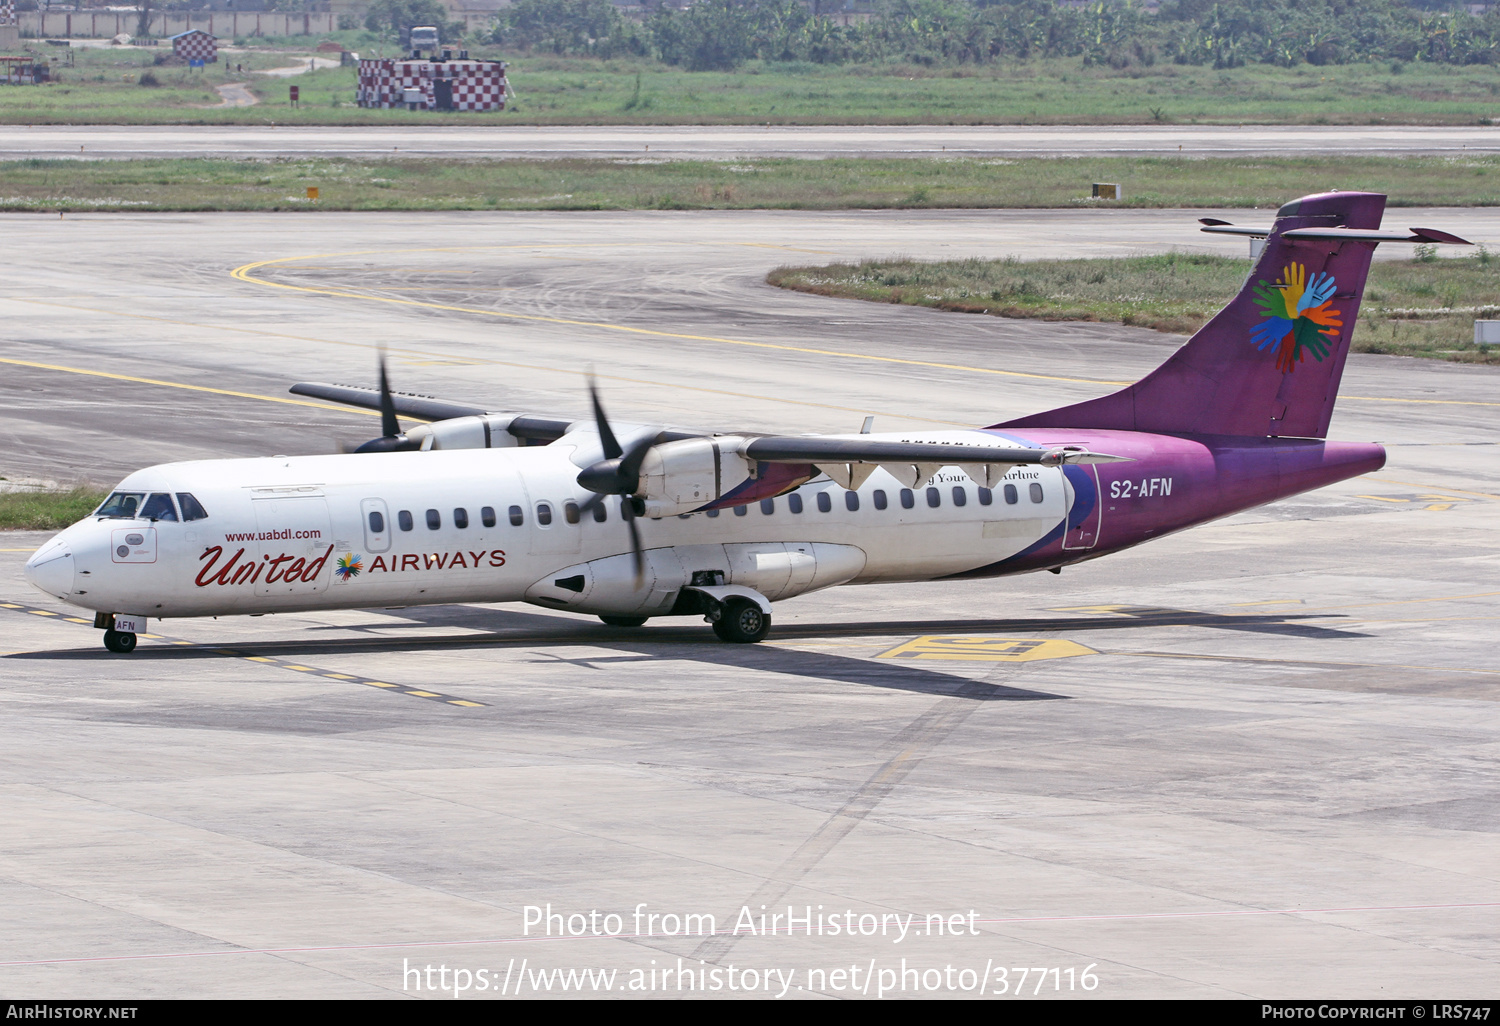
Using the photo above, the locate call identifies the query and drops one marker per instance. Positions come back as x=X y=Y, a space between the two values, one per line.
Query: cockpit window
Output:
x=121 y=504
x=192 y=509
x=159 y=507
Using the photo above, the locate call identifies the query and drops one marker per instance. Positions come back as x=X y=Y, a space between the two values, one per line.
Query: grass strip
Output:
x=105 y=86
x=47 y=511
x=1423 y=307
x=633 y=184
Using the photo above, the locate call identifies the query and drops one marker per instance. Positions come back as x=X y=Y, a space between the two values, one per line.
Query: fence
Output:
x=225 y=24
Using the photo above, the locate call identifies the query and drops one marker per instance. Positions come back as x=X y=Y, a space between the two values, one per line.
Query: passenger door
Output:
x=1084 y=506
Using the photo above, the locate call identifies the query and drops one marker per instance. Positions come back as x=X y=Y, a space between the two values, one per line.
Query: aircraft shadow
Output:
x=693 y=641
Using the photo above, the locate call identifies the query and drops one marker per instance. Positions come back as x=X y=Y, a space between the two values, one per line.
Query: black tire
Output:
x=742 y=622
x=624 y=621
x=122 y=642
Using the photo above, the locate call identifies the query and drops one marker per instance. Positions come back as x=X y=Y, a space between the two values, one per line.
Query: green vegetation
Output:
x=721 y=34
x=79 y=185
x=47 y=511
x=1420 y=307
x=103 y=88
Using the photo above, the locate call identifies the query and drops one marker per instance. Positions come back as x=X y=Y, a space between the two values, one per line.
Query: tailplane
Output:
x=1269 y=363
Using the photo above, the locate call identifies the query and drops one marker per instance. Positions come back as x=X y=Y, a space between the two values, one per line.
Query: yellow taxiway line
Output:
x=245 y=273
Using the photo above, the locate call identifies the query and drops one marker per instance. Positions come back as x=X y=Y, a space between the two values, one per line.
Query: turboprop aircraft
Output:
x=641 y=521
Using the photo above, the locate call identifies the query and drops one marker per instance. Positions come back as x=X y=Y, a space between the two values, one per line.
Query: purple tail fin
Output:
x=1269 y=363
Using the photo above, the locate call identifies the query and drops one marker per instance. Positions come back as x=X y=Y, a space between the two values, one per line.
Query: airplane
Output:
x=641 y=521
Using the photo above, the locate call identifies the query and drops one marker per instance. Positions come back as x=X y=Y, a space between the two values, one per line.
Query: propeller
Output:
x=392 y=438
x=619 y=473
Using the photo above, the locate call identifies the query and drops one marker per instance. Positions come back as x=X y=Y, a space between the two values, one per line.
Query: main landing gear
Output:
x=741 y=621
x=122 y=642
x=738 y=615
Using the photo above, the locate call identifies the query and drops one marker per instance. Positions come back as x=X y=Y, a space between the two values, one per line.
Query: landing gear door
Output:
x=293 y=542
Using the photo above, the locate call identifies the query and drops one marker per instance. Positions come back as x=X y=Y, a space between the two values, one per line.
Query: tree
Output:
x=397 y=16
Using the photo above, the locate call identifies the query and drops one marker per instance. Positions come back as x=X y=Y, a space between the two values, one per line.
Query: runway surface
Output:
x=710 y=142
x=1263 y=767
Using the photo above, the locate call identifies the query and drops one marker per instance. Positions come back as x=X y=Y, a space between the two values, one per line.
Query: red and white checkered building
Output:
x=443 y=85
x=195 y=45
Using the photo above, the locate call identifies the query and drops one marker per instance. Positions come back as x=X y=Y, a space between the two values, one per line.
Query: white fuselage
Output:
x=499 y=525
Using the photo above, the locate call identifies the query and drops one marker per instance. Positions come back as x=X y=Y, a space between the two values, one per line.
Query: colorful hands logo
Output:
x=1299 y=319
x=348 y=566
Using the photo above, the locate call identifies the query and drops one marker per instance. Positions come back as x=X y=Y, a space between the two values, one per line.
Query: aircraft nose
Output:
x=51 y=568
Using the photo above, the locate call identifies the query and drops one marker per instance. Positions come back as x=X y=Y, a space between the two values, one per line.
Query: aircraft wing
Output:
x=863 y=449
x=430 y=409
x=851 y=459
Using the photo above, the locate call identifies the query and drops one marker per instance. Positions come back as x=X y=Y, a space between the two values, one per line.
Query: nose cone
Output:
x=51 y=568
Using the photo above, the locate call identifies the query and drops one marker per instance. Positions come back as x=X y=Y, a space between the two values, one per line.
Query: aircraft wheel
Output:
x=624 y=621
x=742 y=622
x=119 y=641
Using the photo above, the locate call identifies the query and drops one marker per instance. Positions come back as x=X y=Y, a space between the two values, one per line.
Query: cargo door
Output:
x=293 y=542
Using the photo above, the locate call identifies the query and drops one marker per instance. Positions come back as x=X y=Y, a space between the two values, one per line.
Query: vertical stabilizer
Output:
x=1269 y=363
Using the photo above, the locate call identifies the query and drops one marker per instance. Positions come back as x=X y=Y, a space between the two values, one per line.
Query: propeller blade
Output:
x=612 y=450
x=391 y=438
x=627 y=510
x=630 y=465
x=390 y=427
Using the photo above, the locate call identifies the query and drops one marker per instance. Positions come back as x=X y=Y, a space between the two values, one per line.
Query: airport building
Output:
x=420 y=84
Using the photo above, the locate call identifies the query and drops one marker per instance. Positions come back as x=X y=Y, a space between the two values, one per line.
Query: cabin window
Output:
x=1011 y=498
x=986 y=497
x=544 y=514
x=908 y=500
x=487 y=516
x=768 y=506
x=570 y=512
x=713 y=512
x=403 y=519
x=824 y=502
x=740 y=511
x=1036 y=492
x=934 y=498
x=601 y=513
x=121 y=504
x=879 y=497
x=377 y=522
x=851 y=501
x=794 y=502
x=434 y=520
x=517 y=517
x=460 y=518
x=192 y=509
x=960 y=496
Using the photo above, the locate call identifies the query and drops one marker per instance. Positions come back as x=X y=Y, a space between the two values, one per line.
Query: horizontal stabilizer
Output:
x=1375 y=235
x=1217 y=227
x=1269 y=363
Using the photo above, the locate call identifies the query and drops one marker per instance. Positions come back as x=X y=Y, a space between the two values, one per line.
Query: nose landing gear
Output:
x=122 y=642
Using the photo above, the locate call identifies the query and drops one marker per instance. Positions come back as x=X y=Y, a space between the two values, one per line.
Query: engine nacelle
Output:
x=777 y=570
x=487 y=431
x=681 y=476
